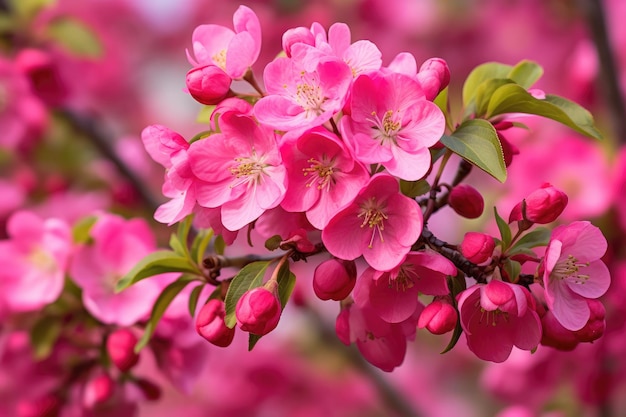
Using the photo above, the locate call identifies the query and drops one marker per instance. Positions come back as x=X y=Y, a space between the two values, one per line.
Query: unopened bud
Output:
x=466 y=201
x=258 y=311
x=297 y=35
x=334 y=279
x=542 y=206
x=48 y=405
x=40 y=68
x=434 y=76
x=477 y=247
x=555 y=335
x=98 y=390
x=438 y=317
x=210 y=324
x=121 y=349
x=209 y=84
x=508 y=149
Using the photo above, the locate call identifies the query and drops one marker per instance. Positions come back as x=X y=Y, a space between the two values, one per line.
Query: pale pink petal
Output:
x=568 y=308
x=404 y=63
x=596 y=285
x=241 y=54
x=362 y=57
x=209 y=40
x=408 y=166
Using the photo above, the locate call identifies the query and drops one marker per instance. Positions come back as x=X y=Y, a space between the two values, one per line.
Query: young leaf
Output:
x=273 y=242
x=219 y=245
x=28 y=9
x=413 y=189
x=512 y=269
x=252 y=340
x=456 y=335
x=156 y=263
x=160 y=305
x=76 y=37
x=480 y=74
x=505 y=230
x=199 y=245
x=81 y=230
x=512 y=98
x=484 y=92
x=179 y=247
x=286 y=283
x=193 y=299
x=250 y=276
x=183 y=233
x=538 y=237
x=526 y=73
x=477 y=141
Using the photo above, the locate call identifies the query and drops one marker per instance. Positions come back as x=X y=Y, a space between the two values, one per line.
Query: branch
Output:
x=104 y=143
x=608 y=77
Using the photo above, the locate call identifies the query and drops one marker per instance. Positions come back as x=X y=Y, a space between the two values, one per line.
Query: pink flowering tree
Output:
x=329 y=171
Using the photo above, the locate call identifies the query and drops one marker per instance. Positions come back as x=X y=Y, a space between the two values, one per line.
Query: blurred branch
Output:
x=609 y=80
x=104 y=143
x=391 y=397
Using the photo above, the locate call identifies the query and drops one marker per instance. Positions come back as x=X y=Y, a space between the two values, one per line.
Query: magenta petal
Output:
x=343 y=236
x=527 y=331
x=392 y=303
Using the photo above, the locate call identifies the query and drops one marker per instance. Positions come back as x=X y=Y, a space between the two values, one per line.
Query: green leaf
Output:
x=505 y=230
x=75 y=36
x=456 y=335
x=442 y=101
x=413 y=189
x=273 y=242
x=477 y=141
x=538 y=237
x=526 y=73
x=484 y=93
x=178 y=247
x=250 y=276
x=193 y=299
x=199 y=245
x=252 y=340
x=512 y=269
x=480 y=74
x=156 y=263
x=28 y=9
x=286 y=283
x=512 y=98
x=160 y=305
x=204 y=116
x=81 y=230
x=44 y=335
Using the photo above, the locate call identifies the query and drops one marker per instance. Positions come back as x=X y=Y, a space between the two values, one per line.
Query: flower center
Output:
x=493 y=317
x=321 y=172
x=386 y=129
x=43 y=261
x=374 y=217
x=402 y=282
x=220 y=59
x=248 y=170
x=568 y=268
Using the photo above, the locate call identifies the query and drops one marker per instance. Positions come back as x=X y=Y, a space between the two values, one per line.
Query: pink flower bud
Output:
x=342 y=326
x=121 y=348
x=210 y=324
x=434 y=76
x=594 y=329
x=466 y=201
x=477 y=247
x=508 y=149
x=258 y=311
x=98 y=390
x=334 y=279
x=438 y=317
x=555 y=335
x=542 y=206
x=297 y=35
x=208 y=84
x=150 y=390
x=40 y=68
x=48 y=405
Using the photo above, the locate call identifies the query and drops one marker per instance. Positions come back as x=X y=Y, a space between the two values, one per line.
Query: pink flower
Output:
x=118 y=244
x=391 y=123
x=298 y=99
x=434 y=76
x=34 y=260
x=323 y=176
x=381 y=224
x=234 y=52
x=495 y=317
x=393 y=294
x=240 y=170
x=573 y=272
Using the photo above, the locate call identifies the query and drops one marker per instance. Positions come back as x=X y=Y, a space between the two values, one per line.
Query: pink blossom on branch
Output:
x=233 y=52
x=391 y=123
x=574 y=272
x=381 y=224
x=240 y=170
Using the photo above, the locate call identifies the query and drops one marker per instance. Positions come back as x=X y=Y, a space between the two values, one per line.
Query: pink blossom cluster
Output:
x=318 y=155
